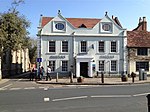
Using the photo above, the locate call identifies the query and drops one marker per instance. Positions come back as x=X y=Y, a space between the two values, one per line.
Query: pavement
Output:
x=95 y=81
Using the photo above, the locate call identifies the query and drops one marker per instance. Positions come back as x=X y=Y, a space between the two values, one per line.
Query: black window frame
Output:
x=52 y=46
x=113 y=46
x=83 y=46
x=145 y=65
x=142 y=51
x=101 y=46
x=64 y=46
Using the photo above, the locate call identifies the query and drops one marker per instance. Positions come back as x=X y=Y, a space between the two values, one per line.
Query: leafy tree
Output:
x=33 y=51
x=13 y=30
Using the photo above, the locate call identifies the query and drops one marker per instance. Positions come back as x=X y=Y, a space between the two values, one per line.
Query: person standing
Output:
x=48 y=73
x=42 y=71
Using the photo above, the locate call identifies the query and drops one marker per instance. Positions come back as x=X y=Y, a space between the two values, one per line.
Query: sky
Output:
x=127 y=11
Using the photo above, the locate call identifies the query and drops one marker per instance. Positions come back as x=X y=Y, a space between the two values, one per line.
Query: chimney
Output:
x=144 y=24
x=140 y=20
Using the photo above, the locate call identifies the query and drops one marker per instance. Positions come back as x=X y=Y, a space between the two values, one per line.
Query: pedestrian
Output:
x=42 y=72
x=48 y=73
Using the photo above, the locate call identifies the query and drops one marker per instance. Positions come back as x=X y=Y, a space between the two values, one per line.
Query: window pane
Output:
x=113 y=65
x=101 y=46
x=142 y=51
x=113 y=46
x=64 y=65
x=83 y=46
x=142 y=65
x=101 y=65
x=52 y=65
x=64 y=46
x=51 y=46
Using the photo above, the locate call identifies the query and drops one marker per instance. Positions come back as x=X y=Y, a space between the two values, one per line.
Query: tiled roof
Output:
x=88 y=22
x=45 y=20
x=138 y=39
x=76 y=22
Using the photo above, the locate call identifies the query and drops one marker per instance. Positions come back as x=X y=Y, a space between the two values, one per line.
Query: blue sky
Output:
x=128 y=11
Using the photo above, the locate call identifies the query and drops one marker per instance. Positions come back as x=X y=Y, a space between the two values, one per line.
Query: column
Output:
x=90 y=72
x=78 y=69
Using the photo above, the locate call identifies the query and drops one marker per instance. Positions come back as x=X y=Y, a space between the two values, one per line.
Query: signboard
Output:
x=39 y=59
x=57 y=57
x=106 y=57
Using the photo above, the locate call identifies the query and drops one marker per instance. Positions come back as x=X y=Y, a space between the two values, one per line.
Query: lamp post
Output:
x=39 y=59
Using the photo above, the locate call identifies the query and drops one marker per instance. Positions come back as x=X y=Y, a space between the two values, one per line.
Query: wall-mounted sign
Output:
x=106 y=57
x=56 y=57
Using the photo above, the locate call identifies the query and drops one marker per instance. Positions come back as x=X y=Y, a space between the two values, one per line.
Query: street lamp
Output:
x=39 y=59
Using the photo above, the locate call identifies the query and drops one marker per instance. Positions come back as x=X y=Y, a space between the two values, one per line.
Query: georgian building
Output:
x=83 y=45
x=139 y=48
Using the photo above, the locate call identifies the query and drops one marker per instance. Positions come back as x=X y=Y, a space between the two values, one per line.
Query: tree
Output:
x=13 y=30
x=33 y=51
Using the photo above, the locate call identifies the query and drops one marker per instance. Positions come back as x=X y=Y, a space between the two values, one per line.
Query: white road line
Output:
x=14 y=88
x=2 y=88
x=45 y=89
x=20 y=79
x=71 y=98
x=110 y=96
x=30 y=88
x=41 y=87
x=46 y=99
x=142 y=94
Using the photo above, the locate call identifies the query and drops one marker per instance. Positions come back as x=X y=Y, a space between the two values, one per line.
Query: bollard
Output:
x=102 y=77
x=57 y=77
x=148 y=100
x=71 y=78
x=97 y=73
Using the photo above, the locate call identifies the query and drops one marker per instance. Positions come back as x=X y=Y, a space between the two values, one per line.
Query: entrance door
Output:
x=84 y=69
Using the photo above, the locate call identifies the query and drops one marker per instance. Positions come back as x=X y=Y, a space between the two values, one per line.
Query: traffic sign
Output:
x=39 y=59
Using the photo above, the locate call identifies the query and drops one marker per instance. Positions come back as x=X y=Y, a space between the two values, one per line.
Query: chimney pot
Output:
x=144 y=19
x=140 y=20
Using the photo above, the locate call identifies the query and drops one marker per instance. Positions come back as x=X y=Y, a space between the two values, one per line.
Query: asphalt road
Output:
x=125 y=98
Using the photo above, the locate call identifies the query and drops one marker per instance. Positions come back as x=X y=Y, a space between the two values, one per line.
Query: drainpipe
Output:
x=73 y=53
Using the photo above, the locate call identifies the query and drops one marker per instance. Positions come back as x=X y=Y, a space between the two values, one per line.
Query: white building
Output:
x=83 y=45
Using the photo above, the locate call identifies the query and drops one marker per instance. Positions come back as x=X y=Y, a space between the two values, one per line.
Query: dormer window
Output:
x=82 y=26
x=59 y=26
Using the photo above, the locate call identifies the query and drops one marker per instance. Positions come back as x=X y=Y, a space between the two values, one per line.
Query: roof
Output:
x=76 y=22
x=88 y=22
x=138 y=39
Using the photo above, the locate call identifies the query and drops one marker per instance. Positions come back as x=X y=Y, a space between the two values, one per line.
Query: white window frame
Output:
x=62 y=65
x=103 y=31
x=62 y=46
x=52 y=69
x=116 y=47
x=49 y=45
x=56 y=30
x=116 y=66
x=99 y=65
x=81 y=46
x=104 y=46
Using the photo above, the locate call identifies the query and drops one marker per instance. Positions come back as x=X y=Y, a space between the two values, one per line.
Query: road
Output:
x=20 y=95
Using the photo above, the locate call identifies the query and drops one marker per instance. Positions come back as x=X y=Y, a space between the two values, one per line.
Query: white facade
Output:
x=92 y=60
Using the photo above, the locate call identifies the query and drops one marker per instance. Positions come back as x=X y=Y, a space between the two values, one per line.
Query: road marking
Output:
x=19 y=80
x=14 y=88
x=71 y=98
x=3 y=88
x=30 y=88
x=45 y=89
x=110 y=96
x=142 y=94
x=46 y=99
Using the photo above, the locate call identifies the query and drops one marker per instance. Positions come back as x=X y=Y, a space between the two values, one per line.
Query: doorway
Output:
x=84 y=69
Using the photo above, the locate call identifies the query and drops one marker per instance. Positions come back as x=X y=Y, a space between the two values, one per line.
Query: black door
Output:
x=84 y=69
